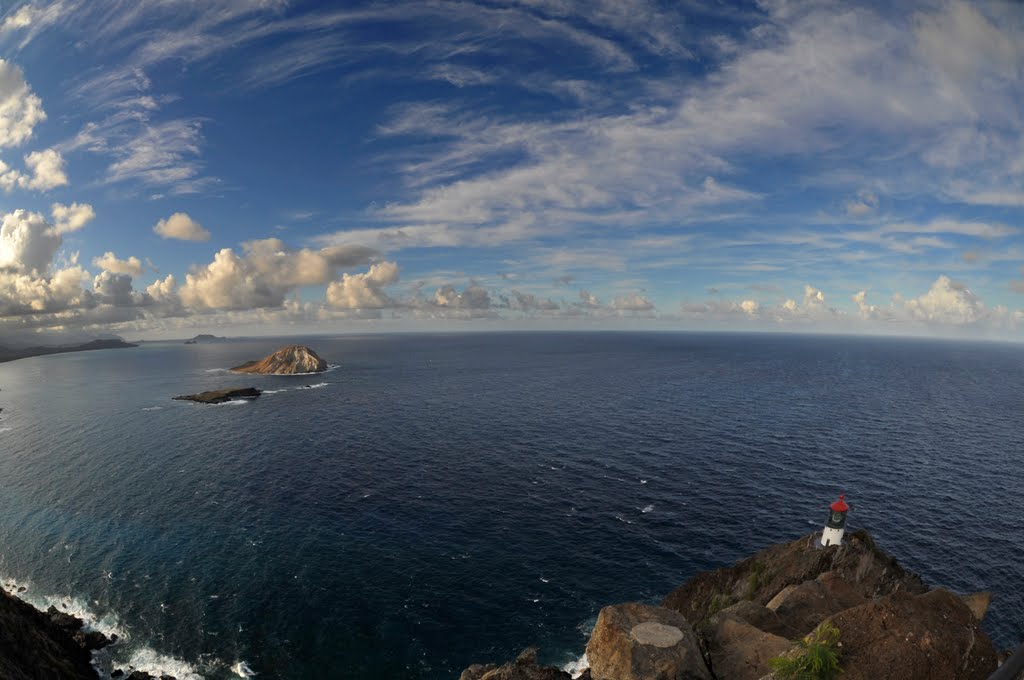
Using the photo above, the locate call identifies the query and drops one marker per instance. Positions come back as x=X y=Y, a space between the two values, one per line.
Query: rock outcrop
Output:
x=882 y=621
x=36 y=645
x=288 y=360
x=221 y=396
x=523 y=668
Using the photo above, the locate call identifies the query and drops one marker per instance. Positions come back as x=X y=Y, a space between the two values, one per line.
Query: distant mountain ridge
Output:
x=9 y=354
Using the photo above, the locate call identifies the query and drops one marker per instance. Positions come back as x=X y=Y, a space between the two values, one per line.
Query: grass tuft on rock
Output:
x=816 y=657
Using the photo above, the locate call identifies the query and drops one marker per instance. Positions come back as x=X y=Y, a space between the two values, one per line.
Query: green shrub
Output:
x=816 y=658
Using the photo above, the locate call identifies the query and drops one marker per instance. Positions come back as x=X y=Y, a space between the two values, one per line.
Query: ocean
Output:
x=438 y=500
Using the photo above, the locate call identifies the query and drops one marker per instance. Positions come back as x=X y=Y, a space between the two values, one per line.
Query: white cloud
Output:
x=46 y=171
x=265 y=274
x=109 y=262
x=68 y=218
x=472 y=297
x=632 y=303
x=947 y=302
x=28 y=243
x=20 y=109
x=182 y=227
x=47 y=168
x=363 y=291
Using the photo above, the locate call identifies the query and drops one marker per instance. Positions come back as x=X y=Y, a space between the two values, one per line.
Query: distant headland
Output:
x=10 y=354
x=290 y=360
x=204 y=338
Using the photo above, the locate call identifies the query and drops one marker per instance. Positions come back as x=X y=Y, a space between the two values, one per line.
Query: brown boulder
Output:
x=740 y=651
x=801 y=608
x=757 y=616
x=634 y=641
x=978 y=603
x=933 y=636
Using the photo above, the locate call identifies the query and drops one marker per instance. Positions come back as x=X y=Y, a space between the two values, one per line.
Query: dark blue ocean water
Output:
x=443 y=499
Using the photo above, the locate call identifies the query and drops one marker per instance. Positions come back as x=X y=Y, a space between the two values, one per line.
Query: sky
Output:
x=243 y=167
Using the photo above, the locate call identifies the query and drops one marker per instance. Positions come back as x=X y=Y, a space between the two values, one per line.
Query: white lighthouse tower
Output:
x=835 y=526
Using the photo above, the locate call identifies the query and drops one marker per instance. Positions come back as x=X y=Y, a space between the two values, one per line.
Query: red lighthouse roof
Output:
x=840 y=505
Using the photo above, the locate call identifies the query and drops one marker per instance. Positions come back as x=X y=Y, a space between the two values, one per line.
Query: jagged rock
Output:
x=32 y=646
x=740 y=651
x=869 y=571
x=286 y=361
x=801 y=608
x=634 y=641
x=978 y=603
x=221 y=396
x=64 y=621
x=757 y=616
x=117 y=673
x=933 y=636
x=523 y=668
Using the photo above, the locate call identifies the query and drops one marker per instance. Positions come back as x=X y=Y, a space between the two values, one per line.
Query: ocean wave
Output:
x=126 y=653
x=313 y=387
x=232 y=402
x=153 y=408
x=647 y=508
x=576 y=668
x=5 y=429
x=242 y=670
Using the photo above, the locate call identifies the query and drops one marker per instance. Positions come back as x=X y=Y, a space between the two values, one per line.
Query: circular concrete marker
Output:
x=657 y=634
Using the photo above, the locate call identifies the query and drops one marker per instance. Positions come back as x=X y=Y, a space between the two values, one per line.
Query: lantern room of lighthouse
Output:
x=835 y=526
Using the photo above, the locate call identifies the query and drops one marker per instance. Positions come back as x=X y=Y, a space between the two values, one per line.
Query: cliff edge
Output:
x=289 y=360
x=773 y=611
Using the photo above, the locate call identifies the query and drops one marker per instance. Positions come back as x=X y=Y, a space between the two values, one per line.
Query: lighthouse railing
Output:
x=1012 y=668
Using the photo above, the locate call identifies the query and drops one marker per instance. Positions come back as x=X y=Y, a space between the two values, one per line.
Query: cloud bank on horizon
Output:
x=282 y=166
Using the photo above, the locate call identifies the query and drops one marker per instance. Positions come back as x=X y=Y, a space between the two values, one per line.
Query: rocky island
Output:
x=290 y=360
x=764 y=616
x=221 y=396
x=205 y=338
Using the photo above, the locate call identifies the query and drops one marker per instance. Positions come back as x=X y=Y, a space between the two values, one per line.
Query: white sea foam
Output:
x=152 y=408
x=233 y=402
x=273 y=391
x=576 y=668
x=242 y=670
x=647 y=508
x=313 y=387
x=125 y=653
x=5 y=429
x=154 y=663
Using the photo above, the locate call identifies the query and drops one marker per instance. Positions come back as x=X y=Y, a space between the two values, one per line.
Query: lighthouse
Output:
x=836 y=523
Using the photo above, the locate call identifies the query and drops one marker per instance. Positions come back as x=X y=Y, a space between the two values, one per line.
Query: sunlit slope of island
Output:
x=290 y=360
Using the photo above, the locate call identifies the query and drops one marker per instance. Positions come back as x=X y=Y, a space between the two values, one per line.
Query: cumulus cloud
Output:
x=528 y=302
x=265 y=273
x=182 y=227
x=363 y=291
x=472 y=296
x=68 y=218
x=45 y=171
x=20 y=109
x=632 y=303
x=947 y=302
x=110 y=263
x=27 y=242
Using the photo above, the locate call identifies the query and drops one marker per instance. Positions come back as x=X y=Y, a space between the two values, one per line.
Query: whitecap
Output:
x=273 y=391
x=576 y=668
x=242 y=670
x=234 y=402
x=313 y=387
x=647 y=508
x=154 y=663
x=5 y=429
x=153 y=408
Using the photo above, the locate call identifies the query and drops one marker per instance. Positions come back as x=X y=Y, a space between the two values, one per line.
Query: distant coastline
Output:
x=8 y=354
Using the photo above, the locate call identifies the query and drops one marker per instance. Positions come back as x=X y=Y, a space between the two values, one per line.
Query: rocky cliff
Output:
x=35 y=645
x=286 y=361
x=776 y=609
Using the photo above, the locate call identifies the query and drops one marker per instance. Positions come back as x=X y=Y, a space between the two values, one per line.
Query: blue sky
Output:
x=174 y=167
